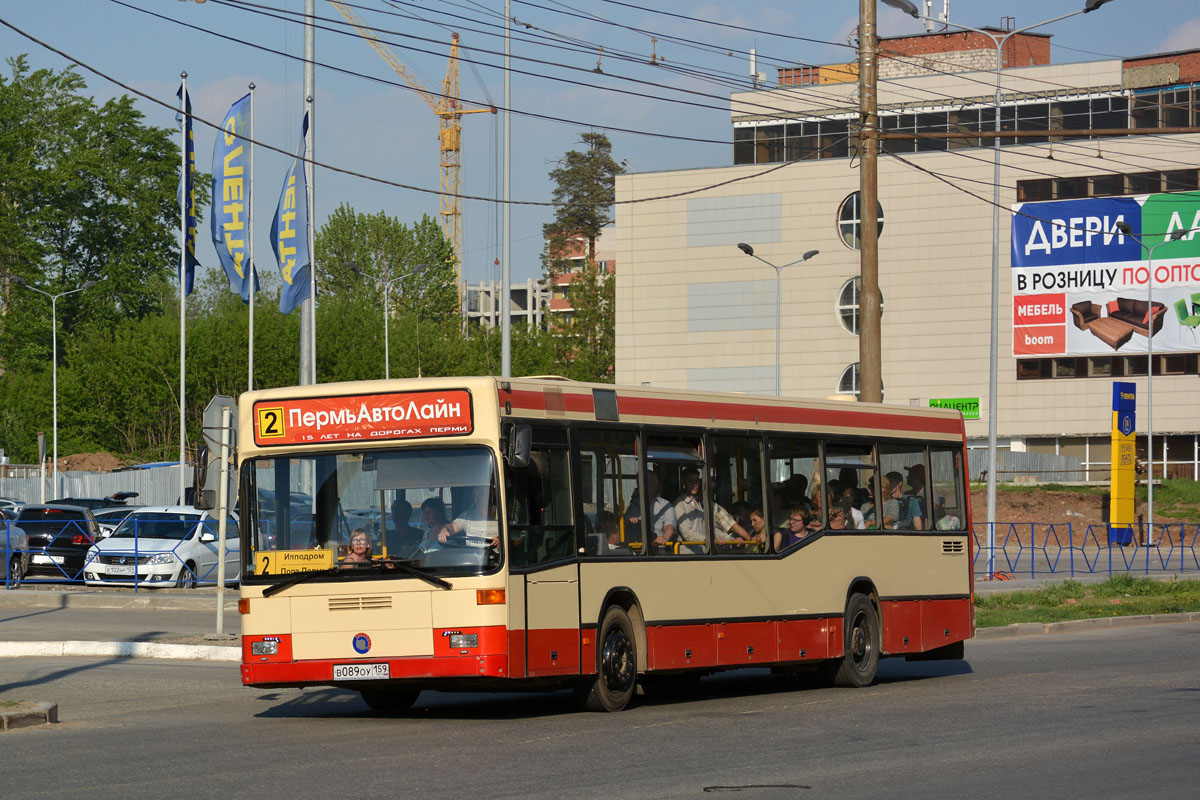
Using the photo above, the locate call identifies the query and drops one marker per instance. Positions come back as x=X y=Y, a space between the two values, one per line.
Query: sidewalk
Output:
x=117 y=623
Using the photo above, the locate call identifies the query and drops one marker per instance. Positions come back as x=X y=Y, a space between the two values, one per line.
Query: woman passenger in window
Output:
x=797 y=529
x=360 y=549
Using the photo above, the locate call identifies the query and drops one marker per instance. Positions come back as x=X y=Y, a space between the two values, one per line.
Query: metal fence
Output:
x=157 y=486
x=1044 y=467
x=1027 y=549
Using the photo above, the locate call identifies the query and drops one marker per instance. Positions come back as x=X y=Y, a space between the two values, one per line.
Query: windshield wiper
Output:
x=344 y=570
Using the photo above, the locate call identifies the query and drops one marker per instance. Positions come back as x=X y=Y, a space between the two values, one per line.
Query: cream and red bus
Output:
x=506 y=548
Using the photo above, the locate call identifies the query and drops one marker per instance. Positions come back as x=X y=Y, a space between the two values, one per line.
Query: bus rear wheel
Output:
x=860 y=658
x=389 y=701
x=612 y=687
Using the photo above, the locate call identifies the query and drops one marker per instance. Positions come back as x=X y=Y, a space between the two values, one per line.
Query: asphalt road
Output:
x=1098 y=714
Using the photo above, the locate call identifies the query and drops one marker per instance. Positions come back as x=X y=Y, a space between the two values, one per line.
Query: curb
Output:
x=1072 y=626
x=31 y=598
x=28 y=715
x=185 y=652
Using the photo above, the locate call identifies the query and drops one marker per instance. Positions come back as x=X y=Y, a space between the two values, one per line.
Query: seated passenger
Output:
x=797 y=529
x=402 y=539
x=360 y=549
x=477 y=523
x=837 y=519
x=610 y=533
x=662 y=513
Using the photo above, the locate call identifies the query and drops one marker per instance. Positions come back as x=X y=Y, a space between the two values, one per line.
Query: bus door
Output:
x=544 y=582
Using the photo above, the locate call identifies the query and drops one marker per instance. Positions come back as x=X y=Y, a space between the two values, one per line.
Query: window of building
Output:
x=1106 y=366
x=1035 y=191
x=848 y=383
x=1107 y=185
x=1143 y=183
x=847 y=305
x=849 y=222
x=1182 y=180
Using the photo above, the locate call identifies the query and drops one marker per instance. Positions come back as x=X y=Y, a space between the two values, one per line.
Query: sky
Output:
x=371 y=123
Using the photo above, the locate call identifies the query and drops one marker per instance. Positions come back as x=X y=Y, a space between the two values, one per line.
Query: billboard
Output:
x=1081 y=287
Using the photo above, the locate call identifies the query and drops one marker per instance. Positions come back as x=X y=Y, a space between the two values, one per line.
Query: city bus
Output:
x=487 y=534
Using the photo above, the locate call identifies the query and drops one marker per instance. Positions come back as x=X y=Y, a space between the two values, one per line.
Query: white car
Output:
x=164 y=546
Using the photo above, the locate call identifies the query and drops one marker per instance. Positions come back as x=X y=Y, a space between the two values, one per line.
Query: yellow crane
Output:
x=447 y=106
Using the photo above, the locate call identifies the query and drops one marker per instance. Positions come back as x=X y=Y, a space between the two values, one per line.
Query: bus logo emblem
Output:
x=362 y=643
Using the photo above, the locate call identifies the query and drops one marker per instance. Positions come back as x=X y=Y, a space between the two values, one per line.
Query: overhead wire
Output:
x=171 y=106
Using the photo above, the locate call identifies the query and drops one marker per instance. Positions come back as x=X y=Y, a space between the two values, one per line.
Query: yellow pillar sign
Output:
x=1121 y=516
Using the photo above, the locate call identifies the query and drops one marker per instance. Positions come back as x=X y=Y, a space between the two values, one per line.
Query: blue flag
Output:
x=231 y=198
x=188 y=186
x=289 y=232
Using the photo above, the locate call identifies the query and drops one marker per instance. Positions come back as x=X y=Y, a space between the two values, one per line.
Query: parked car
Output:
x=164 y=546
x=59 y=538
x=110 y=518
x=95 y=503
x=14 y=545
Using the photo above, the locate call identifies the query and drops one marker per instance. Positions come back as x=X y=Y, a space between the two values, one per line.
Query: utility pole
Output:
x=308 y=317
x=869 y=360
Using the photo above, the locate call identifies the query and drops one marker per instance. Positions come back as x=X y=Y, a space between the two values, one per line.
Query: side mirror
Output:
x=207 y=537
x=201 y=498
x=517 y=452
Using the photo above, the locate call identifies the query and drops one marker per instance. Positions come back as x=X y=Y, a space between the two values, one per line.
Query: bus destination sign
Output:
x=362 y=417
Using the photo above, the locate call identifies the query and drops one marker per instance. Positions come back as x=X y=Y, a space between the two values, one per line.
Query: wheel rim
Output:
x=14 y=572
x=187 y=579
x=861 y=645
x=617 y=661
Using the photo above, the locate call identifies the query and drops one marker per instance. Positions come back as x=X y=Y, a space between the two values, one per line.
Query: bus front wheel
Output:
x=389 y=701
x=613 y=685
x=860 y=658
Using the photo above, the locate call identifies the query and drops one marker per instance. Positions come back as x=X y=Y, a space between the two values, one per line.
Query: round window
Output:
x=847 y=305
x=850 y=220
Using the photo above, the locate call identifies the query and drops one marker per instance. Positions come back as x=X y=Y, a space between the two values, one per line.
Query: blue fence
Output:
x=148 y=551
x=1030 y=549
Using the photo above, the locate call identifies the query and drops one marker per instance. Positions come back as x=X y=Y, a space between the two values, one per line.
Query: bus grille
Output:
x=952 y=548
x=382 y=602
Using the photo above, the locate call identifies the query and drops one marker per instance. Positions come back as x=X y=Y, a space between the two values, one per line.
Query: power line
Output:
x=374 y=179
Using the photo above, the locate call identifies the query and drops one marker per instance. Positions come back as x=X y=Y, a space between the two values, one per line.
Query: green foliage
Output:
x=587 y=338
x=584 y=193
x=87 y=192
x=357 y=253
x=119 y=381
x=1119 y=595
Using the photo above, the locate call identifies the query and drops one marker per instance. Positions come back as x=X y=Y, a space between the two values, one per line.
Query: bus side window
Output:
x=948 y=510
x=609 y=483
x=539 y=506
x=907 y=506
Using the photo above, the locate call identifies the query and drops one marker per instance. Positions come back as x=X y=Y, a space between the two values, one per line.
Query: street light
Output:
x=1173 y=236
x=994 y=341
x=54 y=355
x=748 y=250
x=387 y=288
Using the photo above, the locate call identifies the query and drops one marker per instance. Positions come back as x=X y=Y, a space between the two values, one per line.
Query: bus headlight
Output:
x=460 y=640
x=264 y=648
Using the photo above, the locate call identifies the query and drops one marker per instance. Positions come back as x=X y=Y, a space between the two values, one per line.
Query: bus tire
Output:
x=389 y=701
x=860 y=657
x=612 y=687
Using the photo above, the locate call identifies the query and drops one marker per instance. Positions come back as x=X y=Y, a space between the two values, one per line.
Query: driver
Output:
x=477 y=522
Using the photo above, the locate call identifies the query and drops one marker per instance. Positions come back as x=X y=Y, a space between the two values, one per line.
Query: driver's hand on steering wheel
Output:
x=444 y=534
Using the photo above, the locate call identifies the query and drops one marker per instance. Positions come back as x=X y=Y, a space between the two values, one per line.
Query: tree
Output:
x=584 y=193
x=87 y=192
x=585 y=190
x=356 y=251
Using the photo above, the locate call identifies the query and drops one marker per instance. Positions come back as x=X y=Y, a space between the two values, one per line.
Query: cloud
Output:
x=1182 y=37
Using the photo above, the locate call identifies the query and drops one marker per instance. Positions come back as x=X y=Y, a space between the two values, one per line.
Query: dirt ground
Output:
x=90 y=462
x=1058 y=508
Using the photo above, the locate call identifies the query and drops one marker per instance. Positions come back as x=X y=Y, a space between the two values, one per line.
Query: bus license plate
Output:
x=361 y=672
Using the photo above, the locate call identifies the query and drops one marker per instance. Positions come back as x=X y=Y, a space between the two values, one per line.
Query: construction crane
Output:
x=447 y=106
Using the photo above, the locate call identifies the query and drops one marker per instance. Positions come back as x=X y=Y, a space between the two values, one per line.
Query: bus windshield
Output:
x=433 y=507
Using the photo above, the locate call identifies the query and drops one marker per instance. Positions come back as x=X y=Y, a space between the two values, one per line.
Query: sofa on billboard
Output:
x=1125 y=317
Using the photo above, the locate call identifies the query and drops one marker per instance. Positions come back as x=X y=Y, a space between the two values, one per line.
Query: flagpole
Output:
x=308 y=308
x=253 y=274
x=183 y=223
x=309 y=173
